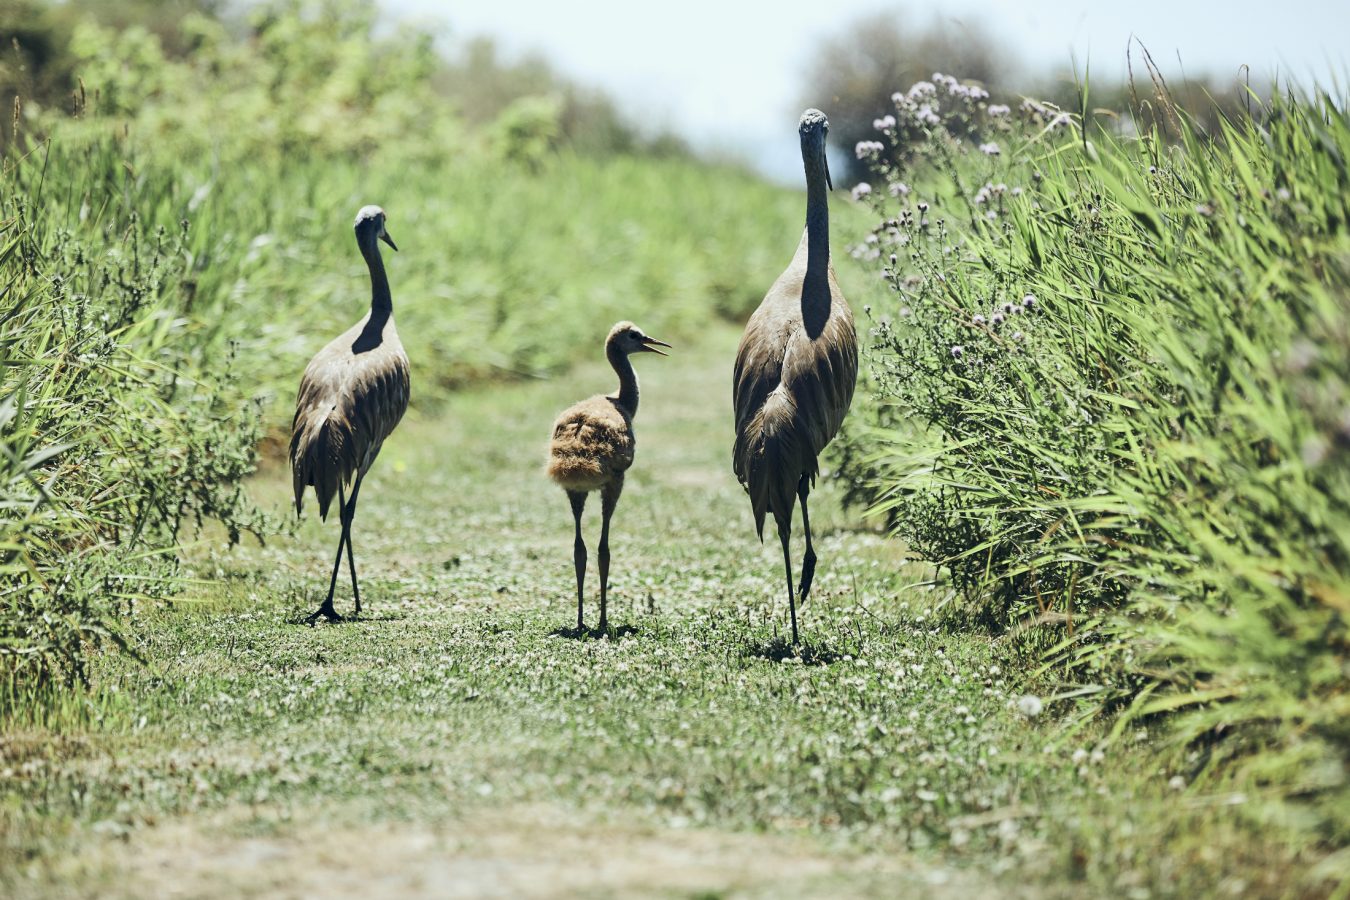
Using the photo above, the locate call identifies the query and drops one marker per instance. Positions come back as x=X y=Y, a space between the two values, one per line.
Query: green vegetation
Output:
x=1117 y=376
x=1126 y=502
x=451 y=738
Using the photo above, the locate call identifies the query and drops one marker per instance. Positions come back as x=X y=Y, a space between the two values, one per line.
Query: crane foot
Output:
x=326 y=611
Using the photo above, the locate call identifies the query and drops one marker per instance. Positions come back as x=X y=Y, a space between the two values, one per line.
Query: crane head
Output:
x=813 y=128
x=370 y=220
x=631 y=339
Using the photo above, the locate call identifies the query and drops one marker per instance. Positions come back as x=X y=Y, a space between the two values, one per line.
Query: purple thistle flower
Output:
x=957 y=350
x=997 y=318
x=977 y=319
x=1029 y=301
x=990 y=149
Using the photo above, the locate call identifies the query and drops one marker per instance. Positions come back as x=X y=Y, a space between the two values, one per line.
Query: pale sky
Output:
x=728 y=75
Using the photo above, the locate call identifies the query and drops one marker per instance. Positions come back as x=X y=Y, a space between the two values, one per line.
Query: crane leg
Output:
x=578 y=499
x=784 y=535
x=609 y=498
x=809 y=559
x=347 y=531
x=326 y=610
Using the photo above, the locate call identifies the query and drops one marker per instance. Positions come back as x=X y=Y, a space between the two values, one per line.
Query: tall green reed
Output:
x=1115 y=384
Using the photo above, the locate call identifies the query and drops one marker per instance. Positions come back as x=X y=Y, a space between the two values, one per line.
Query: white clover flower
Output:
x=1079 y=756
x=1177 y=783
x=861 y=190
x=1030 y=705
x=990 y=149
x=1284 y=194
x=1017 y=335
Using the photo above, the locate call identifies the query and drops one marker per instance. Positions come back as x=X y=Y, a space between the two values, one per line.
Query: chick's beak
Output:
x=384 y=236
x=650 y=344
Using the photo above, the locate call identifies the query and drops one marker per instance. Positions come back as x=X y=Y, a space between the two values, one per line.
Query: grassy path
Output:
x=449 y=744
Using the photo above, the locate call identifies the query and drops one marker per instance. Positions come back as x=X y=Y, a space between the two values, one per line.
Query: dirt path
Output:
x=449 y=744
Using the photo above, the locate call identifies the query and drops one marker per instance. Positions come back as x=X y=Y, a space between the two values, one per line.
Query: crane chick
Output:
x=352 y=395
x=795 y=371
x=592 y=448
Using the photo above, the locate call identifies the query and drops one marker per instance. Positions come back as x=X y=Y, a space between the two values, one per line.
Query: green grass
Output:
x=452 y=717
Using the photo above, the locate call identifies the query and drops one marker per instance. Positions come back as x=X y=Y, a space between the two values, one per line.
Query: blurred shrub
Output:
x=859 y=68
x=527 y=131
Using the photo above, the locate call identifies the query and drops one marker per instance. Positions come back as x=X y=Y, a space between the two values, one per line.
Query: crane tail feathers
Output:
x=770 y=457
x=322 y=456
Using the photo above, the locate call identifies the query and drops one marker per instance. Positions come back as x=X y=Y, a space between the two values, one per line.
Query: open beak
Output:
x=384 y=236
x=650 y=344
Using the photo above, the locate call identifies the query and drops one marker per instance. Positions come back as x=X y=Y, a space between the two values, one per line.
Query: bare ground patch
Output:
x=527 y=852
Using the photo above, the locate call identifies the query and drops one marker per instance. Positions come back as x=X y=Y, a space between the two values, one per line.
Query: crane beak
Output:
x=828 y=183
x=384 y=236
x=650 y=344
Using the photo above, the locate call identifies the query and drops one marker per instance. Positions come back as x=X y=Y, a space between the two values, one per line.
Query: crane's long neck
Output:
x=817 y=237
x=628 y=382
x=380 y=299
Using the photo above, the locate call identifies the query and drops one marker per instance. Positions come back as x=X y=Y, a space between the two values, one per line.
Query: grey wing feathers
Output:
x=344 y=411
x=791 y=394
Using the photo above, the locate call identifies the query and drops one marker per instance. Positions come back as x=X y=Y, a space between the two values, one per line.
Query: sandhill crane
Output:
x=592 y=448
x=795 y=370
x=352 y=395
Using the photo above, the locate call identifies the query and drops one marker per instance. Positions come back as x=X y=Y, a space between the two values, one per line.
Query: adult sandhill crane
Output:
x=353 y=393
x=795 y=370
x=592 y=448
